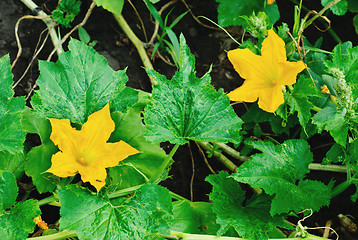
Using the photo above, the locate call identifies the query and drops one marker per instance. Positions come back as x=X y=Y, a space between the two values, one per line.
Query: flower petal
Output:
x=116 y=152
x=98 y=128
x=273 y=47
x=63 y=165
x=271 y=99
x=64 y=136
x=249 y=91
x=290 y=71
x=95 y=175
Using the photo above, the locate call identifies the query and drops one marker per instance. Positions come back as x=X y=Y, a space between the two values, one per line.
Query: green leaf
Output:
x=83 y=35
x=147 y=166
x=188 y=107
x=77 y=85
x=12 y=135
x=279 y=170
x=272 y=12
x=251 y=220
x=17 y=223
x=33 y=123
x=299 y=101
x=66 y=12
x=38 y=160
x=339 y=9
x=94 y=217
x=194 y=218
x=5 y=79
x=355 y=23
x=8 y=190
x=114 y=6
x=230 y=12
x=13 y=163
x=333 y=121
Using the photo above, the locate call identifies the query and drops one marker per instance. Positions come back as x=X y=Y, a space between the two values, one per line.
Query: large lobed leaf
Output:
x=251 y=220
x=188 y=107
x=16 y=220
x=299 y=99
x=279 y=170
x=94 y=217
x=77 y=85
x=12 y=134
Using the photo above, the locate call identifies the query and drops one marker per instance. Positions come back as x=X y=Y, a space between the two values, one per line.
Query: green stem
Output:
x=340 y=188
x=232 y=152
x=327 y=168
x=316 y=109
x=220 y=157
x=123 y=192
x=136 y=42
x=187 y=236
x=49 y=200
x=49 y=23
x=177 y=196
x=56 y=236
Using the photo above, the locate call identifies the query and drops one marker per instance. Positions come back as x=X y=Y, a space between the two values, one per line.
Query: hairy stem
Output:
x=187 y=236
x=136 y=42
x=56 y=236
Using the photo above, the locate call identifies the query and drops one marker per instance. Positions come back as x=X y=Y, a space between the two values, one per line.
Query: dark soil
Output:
x=206 y=44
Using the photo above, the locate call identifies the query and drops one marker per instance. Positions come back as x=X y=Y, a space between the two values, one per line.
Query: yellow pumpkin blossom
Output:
x=264 y=75
x=86 y=151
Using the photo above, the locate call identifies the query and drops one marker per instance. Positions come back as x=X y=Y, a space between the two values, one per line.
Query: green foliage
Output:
x=232 y=13
x=147 y=166
x=299 y=99
x=194 y=217
x=66 y=12
x=13 y=163
x=8 y=190
x=38 y=160
x=12 y=134
x=188 y=107
x=16 y=222
x=332 y=120
x=250 y=220
x=114 y=6
x=95 y=217
x=339 y=8
x=77 y=85
x=279 y=170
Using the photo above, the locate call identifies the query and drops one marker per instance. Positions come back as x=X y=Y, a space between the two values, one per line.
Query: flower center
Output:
x=86 y=157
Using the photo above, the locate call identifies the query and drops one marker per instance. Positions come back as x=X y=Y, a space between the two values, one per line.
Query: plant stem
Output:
x=123 y=192
x=48 y=200
x=136 y=42
x=56 y=236
x=328 y=168
x=48 y=21
x=341 y=187
x=224 y=160
x=187 y=236
x=177 y=196
x=232 y=152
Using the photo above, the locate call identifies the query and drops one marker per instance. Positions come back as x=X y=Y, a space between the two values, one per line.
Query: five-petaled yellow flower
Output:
x=264 y=74
x=86 y=151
